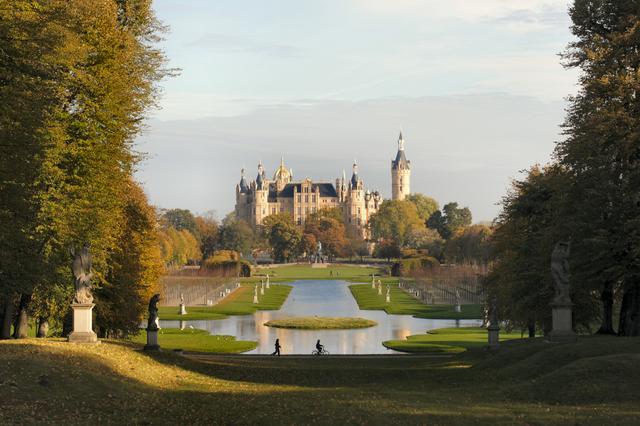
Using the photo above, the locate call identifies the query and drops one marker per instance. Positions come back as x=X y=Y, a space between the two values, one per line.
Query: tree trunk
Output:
x=43 y=327
x=21 y=327
x=630 y=312
x=531 y=327
x=606 y=296
x=7 y=319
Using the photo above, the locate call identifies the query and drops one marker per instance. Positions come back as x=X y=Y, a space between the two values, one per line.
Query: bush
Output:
x=227 y=263
x=406 y=267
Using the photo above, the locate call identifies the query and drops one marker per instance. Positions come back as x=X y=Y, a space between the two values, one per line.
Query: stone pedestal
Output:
x=457 y=308
x=83 y=324
x=494 y=336
x=262 y=291
x=255 y=299
x=152 y=341
x=388 y=299
x=562 y=323
x=183 y=309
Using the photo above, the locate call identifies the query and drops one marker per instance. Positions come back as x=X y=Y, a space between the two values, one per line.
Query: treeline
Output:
x=417 y=227
x=191 y=239
x=76 y=79
x=589 y=196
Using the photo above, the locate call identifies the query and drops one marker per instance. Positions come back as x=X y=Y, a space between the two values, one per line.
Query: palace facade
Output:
x=262 y=197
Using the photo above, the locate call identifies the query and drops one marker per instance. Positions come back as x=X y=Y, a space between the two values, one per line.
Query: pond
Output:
x=321 y=298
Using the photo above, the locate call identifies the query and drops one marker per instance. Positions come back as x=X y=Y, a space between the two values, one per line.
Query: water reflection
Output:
x=321 y=298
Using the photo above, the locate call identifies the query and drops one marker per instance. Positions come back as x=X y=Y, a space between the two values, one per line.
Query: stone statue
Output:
x=493 y=312
x=560 y=272
x=82 y=272
x=153 y=323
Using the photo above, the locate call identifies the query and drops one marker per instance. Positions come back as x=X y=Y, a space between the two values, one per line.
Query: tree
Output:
x=208 y=229
x=387 y=249
x=82 y=76
x=134 y=269
x=328 y=230
x=426 y=206
x=601 y=152
x=450 y=219
x=235 y=234
x=469 y=245
x=283 y=235
x=396 y=221
x=182 y=219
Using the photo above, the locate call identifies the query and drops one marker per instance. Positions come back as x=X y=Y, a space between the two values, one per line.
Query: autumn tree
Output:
x=396 y=221
x=426 y=206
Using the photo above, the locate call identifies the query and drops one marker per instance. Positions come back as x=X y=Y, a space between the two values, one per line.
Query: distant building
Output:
x=400 y=173
x=262 y=197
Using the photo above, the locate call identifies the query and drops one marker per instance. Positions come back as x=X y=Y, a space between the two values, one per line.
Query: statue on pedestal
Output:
x=153 y=324
x=81 y=268
x=561 y=306
x=560 y=272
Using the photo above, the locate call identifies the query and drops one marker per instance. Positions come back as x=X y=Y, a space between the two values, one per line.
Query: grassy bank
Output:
x=197 y=341
x=240 y=302
x=321 y=323
x=402 y=303
x=591 y=382
x=446 y=340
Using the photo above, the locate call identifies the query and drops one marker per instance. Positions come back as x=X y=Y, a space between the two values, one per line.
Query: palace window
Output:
x=306 y=210
x=313 y=198
x=281 y=209
x=299 y=221
x=273 y=210
x=299 y=198
x=313 y=209
x=306 y=198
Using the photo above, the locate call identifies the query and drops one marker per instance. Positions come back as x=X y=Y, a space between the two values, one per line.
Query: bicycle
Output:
x=323 y=352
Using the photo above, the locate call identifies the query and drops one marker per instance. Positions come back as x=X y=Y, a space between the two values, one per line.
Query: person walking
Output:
x=277 y=351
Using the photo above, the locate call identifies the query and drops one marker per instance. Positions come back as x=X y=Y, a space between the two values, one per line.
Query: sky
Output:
x=477 y=88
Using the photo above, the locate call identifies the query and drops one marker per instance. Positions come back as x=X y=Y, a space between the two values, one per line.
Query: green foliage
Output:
x=181 y=219
x=469 y=245
x=450 y=219
x=396 y=221
x=80 y=76
x=426 y=206
x=413 y=265
x=208 y=230
x=387 y=249
x=283 y=235
x=236 y=234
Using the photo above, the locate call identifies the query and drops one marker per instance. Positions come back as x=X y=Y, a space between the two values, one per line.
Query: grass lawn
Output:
x=321 y=323
x=446 y=340
x=593 y=381
x=240 y=302
x=306 y=272
x=402 y=303
x=197 y=341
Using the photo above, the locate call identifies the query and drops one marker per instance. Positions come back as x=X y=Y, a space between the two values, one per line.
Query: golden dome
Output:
x=282 y=174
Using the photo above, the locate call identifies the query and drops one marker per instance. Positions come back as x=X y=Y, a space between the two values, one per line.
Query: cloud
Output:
x=519 y=16
x=462 y=148
x=239 y=44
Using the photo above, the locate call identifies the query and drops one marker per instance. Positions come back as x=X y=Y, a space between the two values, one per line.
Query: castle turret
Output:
x=400 y=173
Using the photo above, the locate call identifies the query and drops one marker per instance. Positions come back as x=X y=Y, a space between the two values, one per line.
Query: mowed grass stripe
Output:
x=240 y=302
x=402 y=303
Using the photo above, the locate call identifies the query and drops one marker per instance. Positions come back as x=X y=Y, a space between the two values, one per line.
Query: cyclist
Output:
x=319 y=347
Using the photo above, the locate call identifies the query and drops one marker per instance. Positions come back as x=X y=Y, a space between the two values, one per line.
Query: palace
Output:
x=263 y=197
